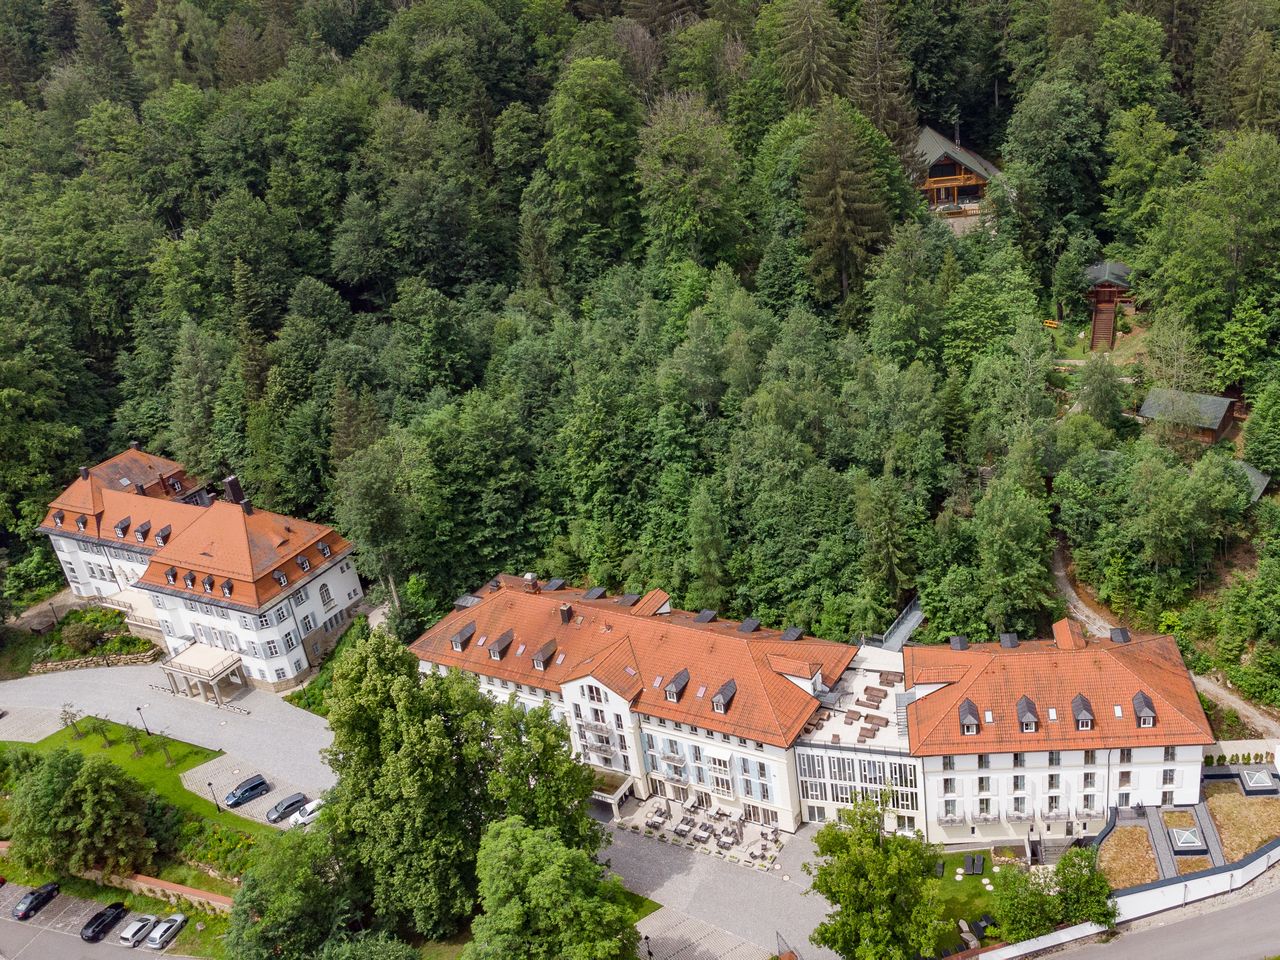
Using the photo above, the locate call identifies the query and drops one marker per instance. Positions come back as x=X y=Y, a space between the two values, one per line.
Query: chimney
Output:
x=134 y=445
x=246 y=506
x=235 y=492
x=566 y=612
x=140 y=489
x=531 y=583
x=84 y=473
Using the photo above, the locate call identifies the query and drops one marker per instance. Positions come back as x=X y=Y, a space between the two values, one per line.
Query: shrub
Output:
x=81 y=637
x=1208 y=761
x=1222 y=759
x=226 y=850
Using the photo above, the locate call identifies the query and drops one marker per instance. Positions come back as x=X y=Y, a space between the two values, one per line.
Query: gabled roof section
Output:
x=637 y=654
x=1186 y=409
x=933 y=146
x=1108 y=271
x=1094 y=678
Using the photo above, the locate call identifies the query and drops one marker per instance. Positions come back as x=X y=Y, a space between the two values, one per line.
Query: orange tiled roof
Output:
x=636 y=654
x=221 y=540
x=1107 y=674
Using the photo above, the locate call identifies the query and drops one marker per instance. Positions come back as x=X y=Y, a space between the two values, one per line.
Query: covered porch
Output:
x=612 y=789
x=200 y=671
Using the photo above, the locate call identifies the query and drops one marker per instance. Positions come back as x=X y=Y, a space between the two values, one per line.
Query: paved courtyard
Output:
x=668 y=934
x=274 y=738
x=749 y=903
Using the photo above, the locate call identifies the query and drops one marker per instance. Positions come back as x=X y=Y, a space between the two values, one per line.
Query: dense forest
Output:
x=643 y=293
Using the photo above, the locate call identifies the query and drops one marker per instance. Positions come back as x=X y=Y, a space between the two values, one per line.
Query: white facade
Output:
x=276 y=644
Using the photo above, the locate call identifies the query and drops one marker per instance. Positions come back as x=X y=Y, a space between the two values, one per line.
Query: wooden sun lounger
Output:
x=876 y=692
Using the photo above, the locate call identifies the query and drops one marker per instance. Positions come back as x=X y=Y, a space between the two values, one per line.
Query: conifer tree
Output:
x=1257 y=84
x=811 y=51
x=879 y=83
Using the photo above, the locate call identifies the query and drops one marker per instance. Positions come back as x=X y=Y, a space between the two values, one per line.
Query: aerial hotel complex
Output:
x=238 y=595
x=967 y=742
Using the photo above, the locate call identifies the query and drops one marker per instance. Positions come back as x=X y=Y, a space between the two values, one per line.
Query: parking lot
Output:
x=54 y=932
x=226 y=772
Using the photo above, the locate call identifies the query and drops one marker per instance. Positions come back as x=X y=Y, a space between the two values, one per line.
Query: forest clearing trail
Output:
x=1076 y=607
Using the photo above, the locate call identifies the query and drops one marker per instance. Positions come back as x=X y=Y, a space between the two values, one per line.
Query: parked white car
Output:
x=137 y=930
x=307 y=814
x=166 y=930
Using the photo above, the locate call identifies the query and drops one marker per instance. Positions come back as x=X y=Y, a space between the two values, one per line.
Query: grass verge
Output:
x=1126 y=858
x=964 y=899
x=151 y=768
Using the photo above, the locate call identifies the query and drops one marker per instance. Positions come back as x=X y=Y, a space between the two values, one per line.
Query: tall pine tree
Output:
x=880 y=80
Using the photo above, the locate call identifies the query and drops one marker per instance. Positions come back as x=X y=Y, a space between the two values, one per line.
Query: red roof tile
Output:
x=1107 y=674
x=637 y=654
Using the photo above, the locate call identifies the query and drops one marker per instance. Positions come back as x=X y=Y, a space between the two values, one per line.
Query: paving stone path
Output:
x=29 y=724
x=1166 y=863
x=226 y=772
x=668 y=934
x=1209 y=830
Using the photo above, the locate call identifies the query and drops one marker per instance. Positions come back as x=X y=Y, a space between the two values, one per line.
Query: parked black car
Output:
x=286 y=807
x=35 y=901
x=100 y=923
x=250 y=789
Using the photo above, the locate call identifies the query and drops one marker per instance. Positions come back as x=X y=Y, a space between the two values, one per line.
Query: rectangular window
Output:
x=1166 y=798
x=290 y=641
x=984 y=784
x=1055 y=758
x=1090 y=757
x=1055 y=781
x=984 y=761
x=949 y=808
x=948 y=762
x=949 y=785
x=264 y=620
x=1054 y=804
x=308 y=623
x=1168 y=778
x=282 y=613
x=1126 y=778
x=1170 y=754
x=1090 y=781
x=1019 y=804
x=984 y=806
x=1126 y=755
x=279 y=673
x=597 y=715
x=326 y=595
x=273 y=649
x=1019 y=759
x=594 y=694
x=617 y=720
x=1019 y=783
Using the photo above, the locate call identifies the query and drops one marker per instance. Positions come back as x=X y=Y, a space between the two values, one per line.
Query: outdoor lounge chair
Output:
x=980 y=864
x=968 y=864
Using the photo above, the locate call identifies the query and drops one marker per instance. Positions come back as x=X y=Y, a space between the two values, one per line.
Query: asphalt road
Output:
x=1247 y=931
x=54 y=932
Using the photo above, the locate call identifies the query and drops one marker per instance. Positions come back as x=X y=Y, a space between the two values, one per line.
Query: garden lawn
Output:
x=1178 y=818
x=966 y=899
x=191 y=942
x=150 y=769
x=1126 y=858
x=1244 y=823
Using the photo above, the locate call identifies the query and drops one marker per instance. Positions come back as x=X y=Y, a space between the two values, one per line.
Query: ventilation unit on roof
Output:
x=1119 y=634
x=460 y=639
x=57 y=518
x=959 y=642
x=705 y=616
x=749 y=625
x=792 y=634
x=555 y=583
x=231 y=486
x=595 y=593
x=675 y=689
x=566 y=612
x=531 y=583
x=1008 y=640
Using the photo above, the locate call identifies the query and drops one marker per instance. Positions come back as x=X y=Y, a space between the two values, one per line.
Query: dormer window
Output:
x=676 y=687
x=325 y=550
x=207 y=583
x=80 y=523
x=1146 y=721
x=1028 y=726
x=542 y=656
x=724 y=696
x=189 y=579
x=175 y=484
x=1083 y=724
x=171 y=575
x=1028 y=715
x=459 y=640
x=499 y=646
x=57 y=518
x=304 y=563
x=122 y=528
x=226 y=587
x=1144 y=709
x=143 y=529
x=162 y=536
x=281 y=578
x=970 y=729
x=969 y=718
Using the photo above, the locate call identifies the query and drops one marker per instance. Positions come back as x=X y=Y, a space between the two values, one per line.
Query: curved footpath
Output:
x=277 y=737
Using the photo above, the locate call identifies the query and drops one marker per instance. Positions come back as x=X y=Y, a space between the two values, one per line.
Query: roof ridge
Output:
x=970 y=678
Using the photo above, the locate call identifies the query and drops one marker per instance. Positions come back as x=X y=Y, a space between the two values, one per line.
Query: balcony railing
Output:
x=596 y=726
x=1018 y=816
x=1060 y=814
x=675 y=759
x=986 y=818
x=604 y=749
x=951 y=820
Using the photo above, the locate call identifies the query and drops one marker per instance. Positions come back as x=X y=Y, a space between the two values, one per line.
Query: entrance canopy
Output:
x=201 y=668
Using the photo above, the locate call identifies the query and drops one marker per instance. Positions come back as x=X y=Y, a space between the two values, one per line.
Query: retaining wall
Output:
x=110 y=660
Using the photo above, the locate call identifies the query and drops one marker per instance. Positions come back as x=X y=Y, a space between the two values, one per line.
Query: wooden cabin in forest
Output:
x=1199 y=415
x=1108 y=291
x=956 y=178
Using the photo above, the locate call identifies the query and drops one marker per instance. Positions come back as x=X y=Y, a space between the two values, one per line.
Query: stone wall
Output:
x=110 y=660
x=174 y=893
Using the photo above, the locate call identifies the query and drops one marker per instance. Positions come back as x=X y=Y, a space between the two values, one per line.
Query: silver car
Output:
x=137 y=930
x=166 y=930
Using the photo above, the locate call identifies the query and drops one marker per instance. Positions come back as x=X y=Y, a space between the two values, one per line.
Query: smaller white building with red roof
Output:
x=237 y=594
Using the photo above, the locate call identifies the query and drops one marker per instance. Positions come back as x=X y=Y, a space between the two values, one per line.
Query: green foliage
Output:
x=1030 y=904
x=545 y=900
x=1262 y=431
x=315 y=695
x=1024 y=905
x=880 y=885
